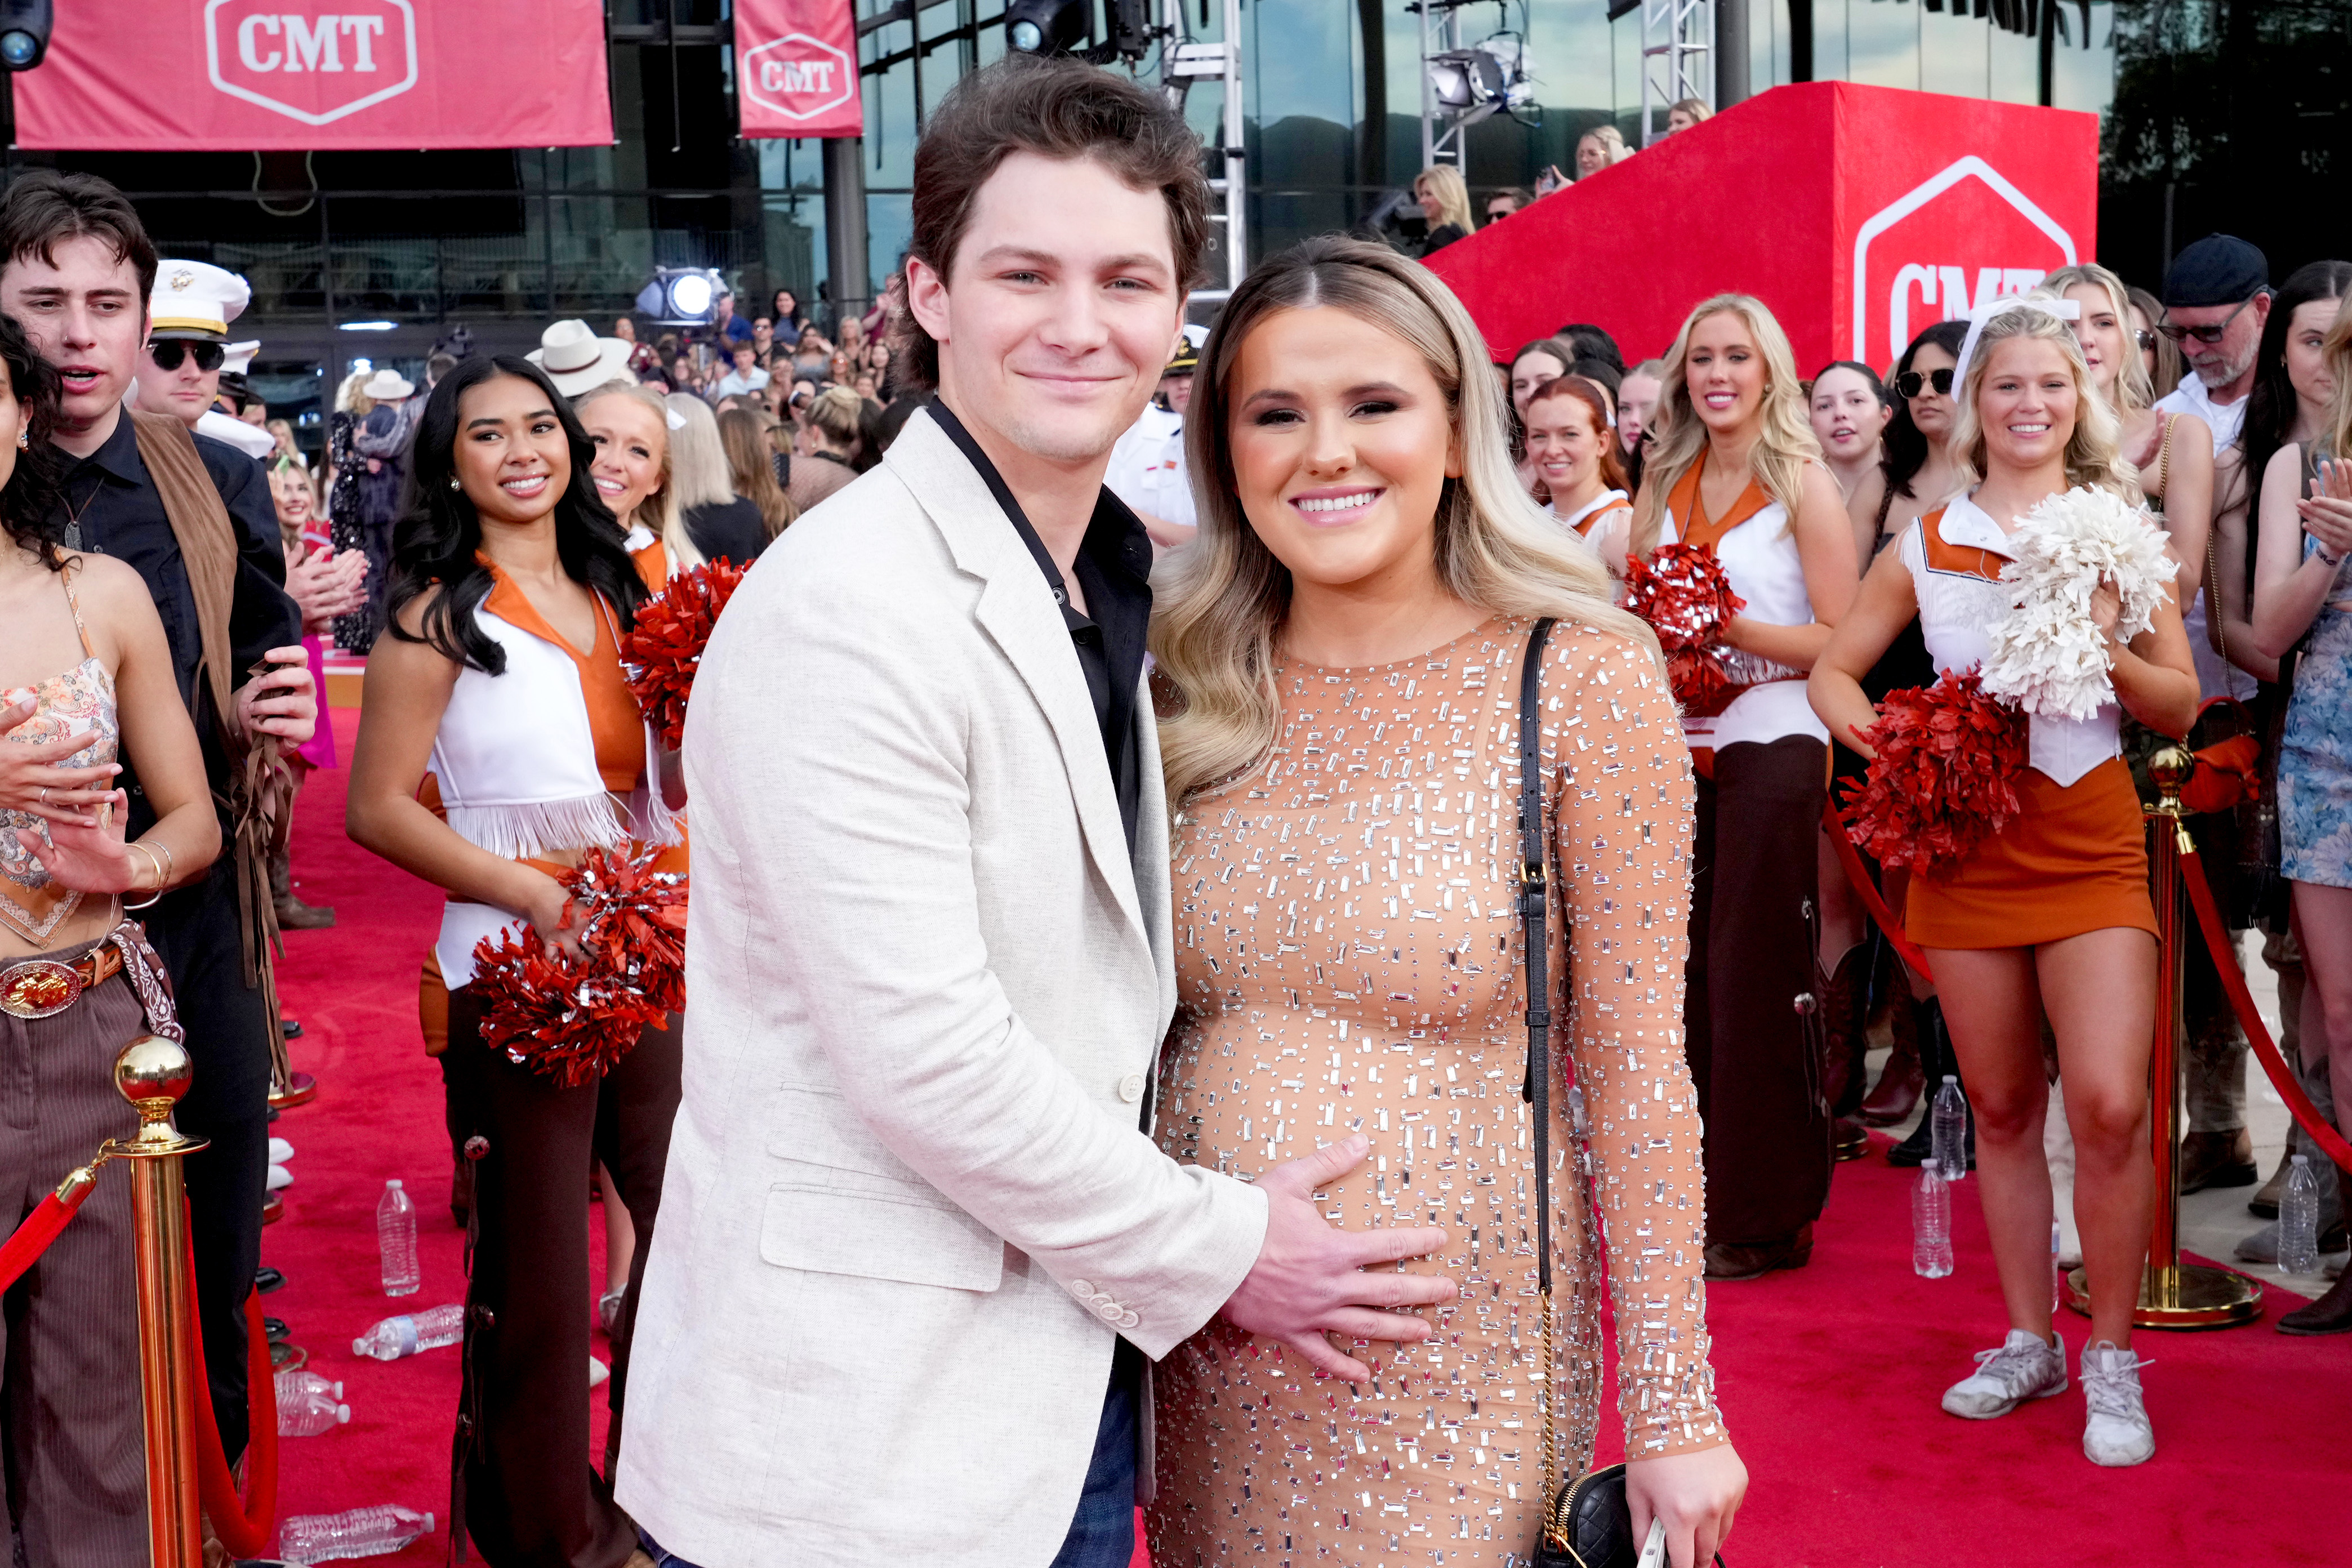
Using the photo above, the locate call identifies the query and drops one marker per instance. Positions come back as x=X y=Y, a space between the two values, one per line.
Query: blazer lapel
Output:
x=1017 y=611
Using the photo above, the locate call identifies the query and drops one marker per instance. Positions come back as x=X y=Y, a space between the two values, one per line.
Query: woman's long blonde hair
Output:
x=2133 y=390
x=659 y=513
x=2336 y=350
x=2094 y=453
x=1678 y=437
x=1221 y=599
x=1453 y=196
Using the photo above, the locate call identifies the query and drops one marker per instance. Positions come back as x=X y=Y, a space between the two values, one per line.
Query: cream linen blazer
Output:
x=909 y=1206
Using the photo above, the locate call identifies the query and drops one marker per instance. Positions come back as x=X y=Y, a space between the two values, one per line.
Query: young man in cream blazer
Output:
x=917 y=1244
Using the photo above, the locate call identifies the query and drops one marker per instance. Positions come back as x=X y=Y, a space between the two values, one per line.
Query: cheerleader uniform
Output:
x=554 y=755
x=1763 y=762
x=2073 y=859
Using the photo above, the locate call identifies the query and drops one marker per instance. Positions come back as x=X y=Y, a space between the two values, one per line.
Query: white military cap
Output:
x=196 y=300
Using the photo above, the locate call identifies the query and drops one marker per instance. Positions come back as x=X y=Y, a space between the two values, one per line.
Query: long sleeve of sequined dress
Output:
x=1349 y=959
x=1622 y=815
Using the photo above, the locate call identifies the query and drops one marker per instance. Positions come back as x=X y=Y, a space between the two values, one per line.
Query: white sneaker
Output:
x=597 y=1371
x=279 y=1177
x=2117 y=1432
x=2023 y=1368
x=280 y=1151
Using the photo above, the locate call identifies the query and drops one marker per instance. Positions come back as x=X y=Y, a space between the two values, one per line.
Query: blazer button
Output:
x=1130 y=1087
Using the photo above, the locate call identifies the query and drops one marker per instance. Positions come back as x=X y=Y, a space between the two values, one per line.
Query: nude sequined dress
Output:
x=1347 y=960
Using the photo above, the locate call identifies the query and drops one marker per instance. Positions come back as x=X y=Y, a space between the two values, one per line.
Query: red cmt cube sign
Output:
x=1858 y=213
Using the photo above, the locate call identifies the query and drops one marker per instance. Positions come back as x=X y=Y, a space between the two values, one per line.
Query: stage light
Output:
x=682 y=296
x=369 y=326
x=1047 y=27
x=23 y=33
x=1489 y=76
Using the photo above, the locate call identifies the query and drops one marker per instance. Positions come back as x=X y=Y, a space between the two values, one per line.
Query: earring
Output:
x=453 y=484
x=24 y=442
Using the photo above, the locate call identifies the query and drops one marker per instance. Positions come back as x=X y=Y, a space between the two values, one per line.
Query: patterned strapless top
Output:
x=79 y=704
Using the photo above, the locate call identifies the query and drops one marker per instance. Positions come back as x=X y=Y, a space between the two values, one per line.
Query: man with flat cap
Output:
x=2216 y=295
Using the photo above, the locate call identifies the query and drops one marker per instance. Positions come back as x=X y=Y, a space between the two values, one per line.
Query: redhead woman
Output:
x=501 y=742
x=1340 y=656
x=2050 y=918
x=2303 y=603
x=1575 y=457
x=1735 y=465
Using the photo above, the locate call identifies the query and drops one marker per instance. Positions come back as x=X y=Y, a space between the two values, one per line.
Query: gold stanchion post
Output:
x=2173 y=1294
x=153 y=1073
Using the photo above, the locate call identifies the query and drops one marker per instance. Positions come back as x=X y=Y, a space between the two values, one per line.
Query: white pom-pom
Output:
x=2047 y=655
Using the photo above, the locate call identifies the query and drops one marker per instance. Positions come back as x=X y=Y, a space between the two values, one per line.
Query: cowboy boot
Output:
x=1897 y=1093
x=1843 y=1048
x=293 y=914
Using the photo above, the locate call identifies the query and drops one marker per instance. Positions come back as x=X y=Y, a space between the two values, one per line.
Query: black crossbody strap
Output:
x=1534 y=885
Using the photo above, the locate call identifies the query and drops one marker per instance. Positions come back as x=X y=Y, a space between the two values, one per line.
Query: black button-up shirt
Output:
x=112 y=503
x=1114 y=571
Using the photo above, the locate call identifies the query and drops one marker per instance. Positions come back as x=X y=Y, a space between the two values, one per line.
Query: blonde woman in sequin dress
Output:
x=1340 y=656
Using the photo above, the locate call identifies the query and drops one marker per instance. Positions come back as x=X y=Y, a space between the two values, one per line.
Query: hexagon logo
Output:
x=1952 y=243
x=796 y=76
x=311 y=60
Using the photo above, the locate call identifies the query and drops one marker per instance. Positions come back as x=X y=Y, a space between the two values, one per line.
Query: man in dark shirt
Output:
x=76 y=269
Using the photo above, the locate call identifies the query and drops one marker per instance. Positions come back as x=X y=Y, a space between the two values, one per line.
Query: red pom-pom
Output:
x=1684 y=594
x=1945 y=778
x=662 y=651
x=573 y=1019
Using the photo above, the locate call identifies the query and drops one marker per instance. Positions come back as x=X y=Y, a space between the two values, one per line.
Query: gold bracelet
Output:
x=152 y=898
x=169 y=870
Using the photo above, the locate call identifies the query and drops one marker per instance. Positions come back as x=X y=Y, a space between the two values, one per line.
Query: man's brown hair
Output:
x=1057 y=108
x=43 y=207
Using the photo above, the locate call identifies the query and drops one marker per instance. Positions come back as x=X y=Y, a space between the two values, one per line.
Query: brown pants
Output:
x=524 y=1488
x=77 y=1469
x=1751 y=956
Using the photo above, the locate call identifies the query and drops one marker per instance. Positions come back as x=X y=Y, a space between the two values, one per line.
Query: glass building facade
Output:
x=2216 y=114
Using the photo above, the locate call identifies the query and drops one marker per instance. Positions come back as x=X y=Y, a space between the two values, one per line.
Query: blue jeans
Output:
x=1102 y=1534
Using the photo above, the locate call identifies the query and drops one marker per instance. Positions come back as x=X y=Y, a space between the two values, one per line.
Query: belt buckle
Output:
x=38 y=988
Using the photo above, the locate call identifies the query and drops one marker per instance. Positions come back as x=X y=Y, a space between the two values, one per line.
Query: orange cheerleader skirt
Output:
x=2073 y=859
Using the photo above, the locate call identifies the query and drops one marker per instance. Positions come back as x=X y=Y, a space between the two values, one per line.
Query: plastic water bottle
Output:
x=406 y=1335
x=308 y=1409
x=300 y=1380
x=396 y=1239
x=1931 y=1222
x=1949 y=1131
x=2057 y=1275
x=2298 y=1250
x=361 y=1533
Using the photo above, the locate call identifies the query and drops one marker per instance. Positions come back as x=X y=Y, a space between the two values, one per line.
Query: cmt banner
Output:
x=325 y=75
x=1860 y=215
x=796 y=68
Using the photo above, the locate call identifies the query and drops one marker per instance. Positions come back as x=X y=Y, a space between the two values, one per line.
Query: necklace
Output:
x=73 y=514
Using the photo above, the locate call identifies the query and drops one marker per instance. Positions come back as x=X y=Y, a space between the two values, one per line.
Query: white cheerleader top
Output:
x=1758 y=553
x=1956 y=575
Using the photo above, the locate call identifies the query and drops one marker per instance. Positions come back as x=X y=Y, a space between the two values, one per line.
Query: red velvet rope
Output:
x=40 y=1228
x=1859 y=874
x=2249 y=1018
x=243 y=1524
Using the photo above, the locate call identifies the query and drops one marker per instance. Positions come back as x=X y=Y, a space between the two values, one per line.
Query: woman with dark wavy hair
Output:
x=501 y=742
x=86 y=677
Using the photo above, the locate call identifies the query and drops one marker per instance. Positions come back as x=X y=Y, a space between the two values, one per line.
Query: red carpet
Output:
x=1829 y=1376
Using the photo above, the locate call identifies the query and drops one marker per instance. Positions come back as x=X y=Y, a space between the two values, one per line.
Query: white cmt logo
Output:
x=363 y=46
x=1946 y=287
x=796 y=76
